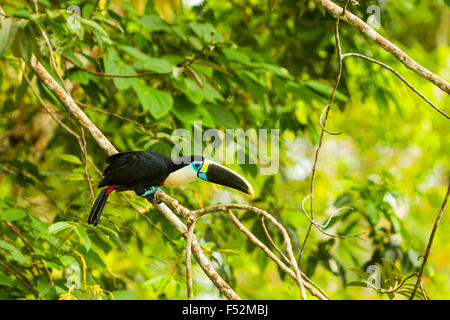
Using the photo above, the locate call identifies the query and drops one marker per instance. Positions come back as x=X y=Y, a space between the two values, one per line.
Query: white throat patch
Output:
x=180 y=177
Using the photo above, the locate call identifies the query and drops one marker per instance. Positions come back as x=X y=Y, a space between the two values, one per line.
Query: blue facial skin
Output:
x=197 y=166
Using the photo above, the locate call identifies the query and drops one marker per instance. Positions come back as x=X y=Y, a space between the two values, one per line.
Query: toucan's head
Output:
x=190 y=168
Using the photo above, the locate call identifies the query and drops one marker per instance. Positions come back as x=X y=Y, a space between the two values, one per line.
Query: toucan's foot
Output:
x=147 y=192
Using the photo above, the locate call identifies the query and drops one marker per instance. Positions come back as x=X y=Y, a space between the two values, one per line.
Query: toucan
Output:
x=142 y=171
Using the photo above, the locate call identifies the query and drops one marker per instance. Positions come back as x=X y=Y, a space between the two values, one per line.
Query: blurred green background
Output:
x=246 y=64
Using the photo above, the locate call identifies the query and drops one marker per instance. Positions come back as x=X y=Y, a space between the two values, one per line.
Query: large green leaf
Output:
x=223 y=117
x=156 y=101
x=114 y=65
x=13 y=214
x=82 y=234
x=153 y=23
x=8 y=33
x=148 y=63
x=325 y=90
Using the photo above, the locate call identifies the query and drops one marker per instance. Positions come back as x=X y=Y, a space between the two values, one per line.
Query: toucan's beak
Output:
x=217 y=173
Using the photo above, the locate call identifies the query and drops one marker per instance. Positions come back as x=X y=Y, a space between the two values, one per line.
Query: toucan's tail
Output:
x=97 y=208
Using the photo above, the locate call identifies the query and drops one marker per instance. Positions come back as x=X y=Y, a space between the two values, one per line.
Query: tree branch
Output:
x=370 y=33
x=70 y=105
x=430 y=243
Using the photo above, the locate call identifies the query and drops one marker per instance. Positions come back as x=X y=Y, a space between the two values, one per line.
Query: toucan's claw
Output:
x=147 y=191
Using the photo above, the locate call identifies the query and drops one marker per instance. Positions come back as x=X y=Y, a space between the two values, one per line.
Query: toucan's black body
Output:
x=141 y=170
x=137 y=169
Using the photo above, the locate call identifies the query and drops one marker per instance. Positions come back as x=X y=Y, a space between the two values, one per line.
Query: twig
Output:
x=401 y=284
x=109 y=75
x=271 y=240
x=85 y=160
x=19 y=277
x=150 y=222
x=370 y=33
x=189 y=238
x=84 y=105
x=320 y=227
x=322 y=125
x=430 y=243
x=288 y=245
x=17 y=231
x=80 y=138
x=70 y=105
x=203 y=261
x=223 y=208
x=398 y=76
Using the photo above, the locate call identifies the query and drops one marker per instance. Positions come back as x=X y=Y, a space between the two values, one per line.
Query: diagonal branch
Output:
x=398 y=53
x=398 y=76
x=430 y=243
x=70 y=105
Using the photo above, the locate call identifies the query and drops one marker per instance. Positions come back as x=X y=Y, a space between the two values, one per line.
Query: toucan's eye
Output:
x=196 y=164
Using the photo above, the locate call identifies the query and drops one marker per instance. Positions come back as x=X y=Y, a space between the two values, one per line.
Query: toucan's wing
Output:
x=135 y=169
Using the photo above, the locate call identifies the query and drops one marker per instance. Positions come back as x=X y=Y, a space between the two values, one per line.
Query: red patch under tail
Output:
x=111 y=189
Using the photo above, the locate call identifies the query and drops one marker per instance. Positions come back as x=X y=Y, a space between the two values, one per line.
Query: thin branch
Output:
x=83 y=105
x=189 y=238
x=288 y=245
x=271 y=240
x=400 y=285
x=109 y=75
x=19 y=277
x=370 y=33
x=85 y=160
x=322 y=125
x=70 y=105
x=150 y=222
x=320 y=227
x=398 y=76
x=309 y=285
x=17 y=231
x=203 y=261
x=430 y=242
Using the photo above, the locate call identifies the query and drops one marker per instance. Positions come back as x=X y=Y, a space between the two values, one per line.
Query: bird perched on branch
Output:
x=142 y=171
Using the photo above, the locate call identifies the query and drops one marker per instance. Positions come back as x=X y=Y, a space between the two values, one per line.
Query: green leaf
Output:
x=325 y=91
x=59 y=226
x=8 y=33
x=190 y=89
x=15 y=253
x=204 y=31
x=95 y=26
x=70 y=158
x=360 y=273
x=156 y=101
x=26 y=43
x=148 y=63
x=153 y=23
x=113 y=65
x=79 y=76
x=82 y=234
x=43 y=287
x=223 y=117
x=6 y=281
x=236 y=55
x=343 y=199
x=188 y=112
x=13 y=214
x=125 y=295
x=372 y=213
